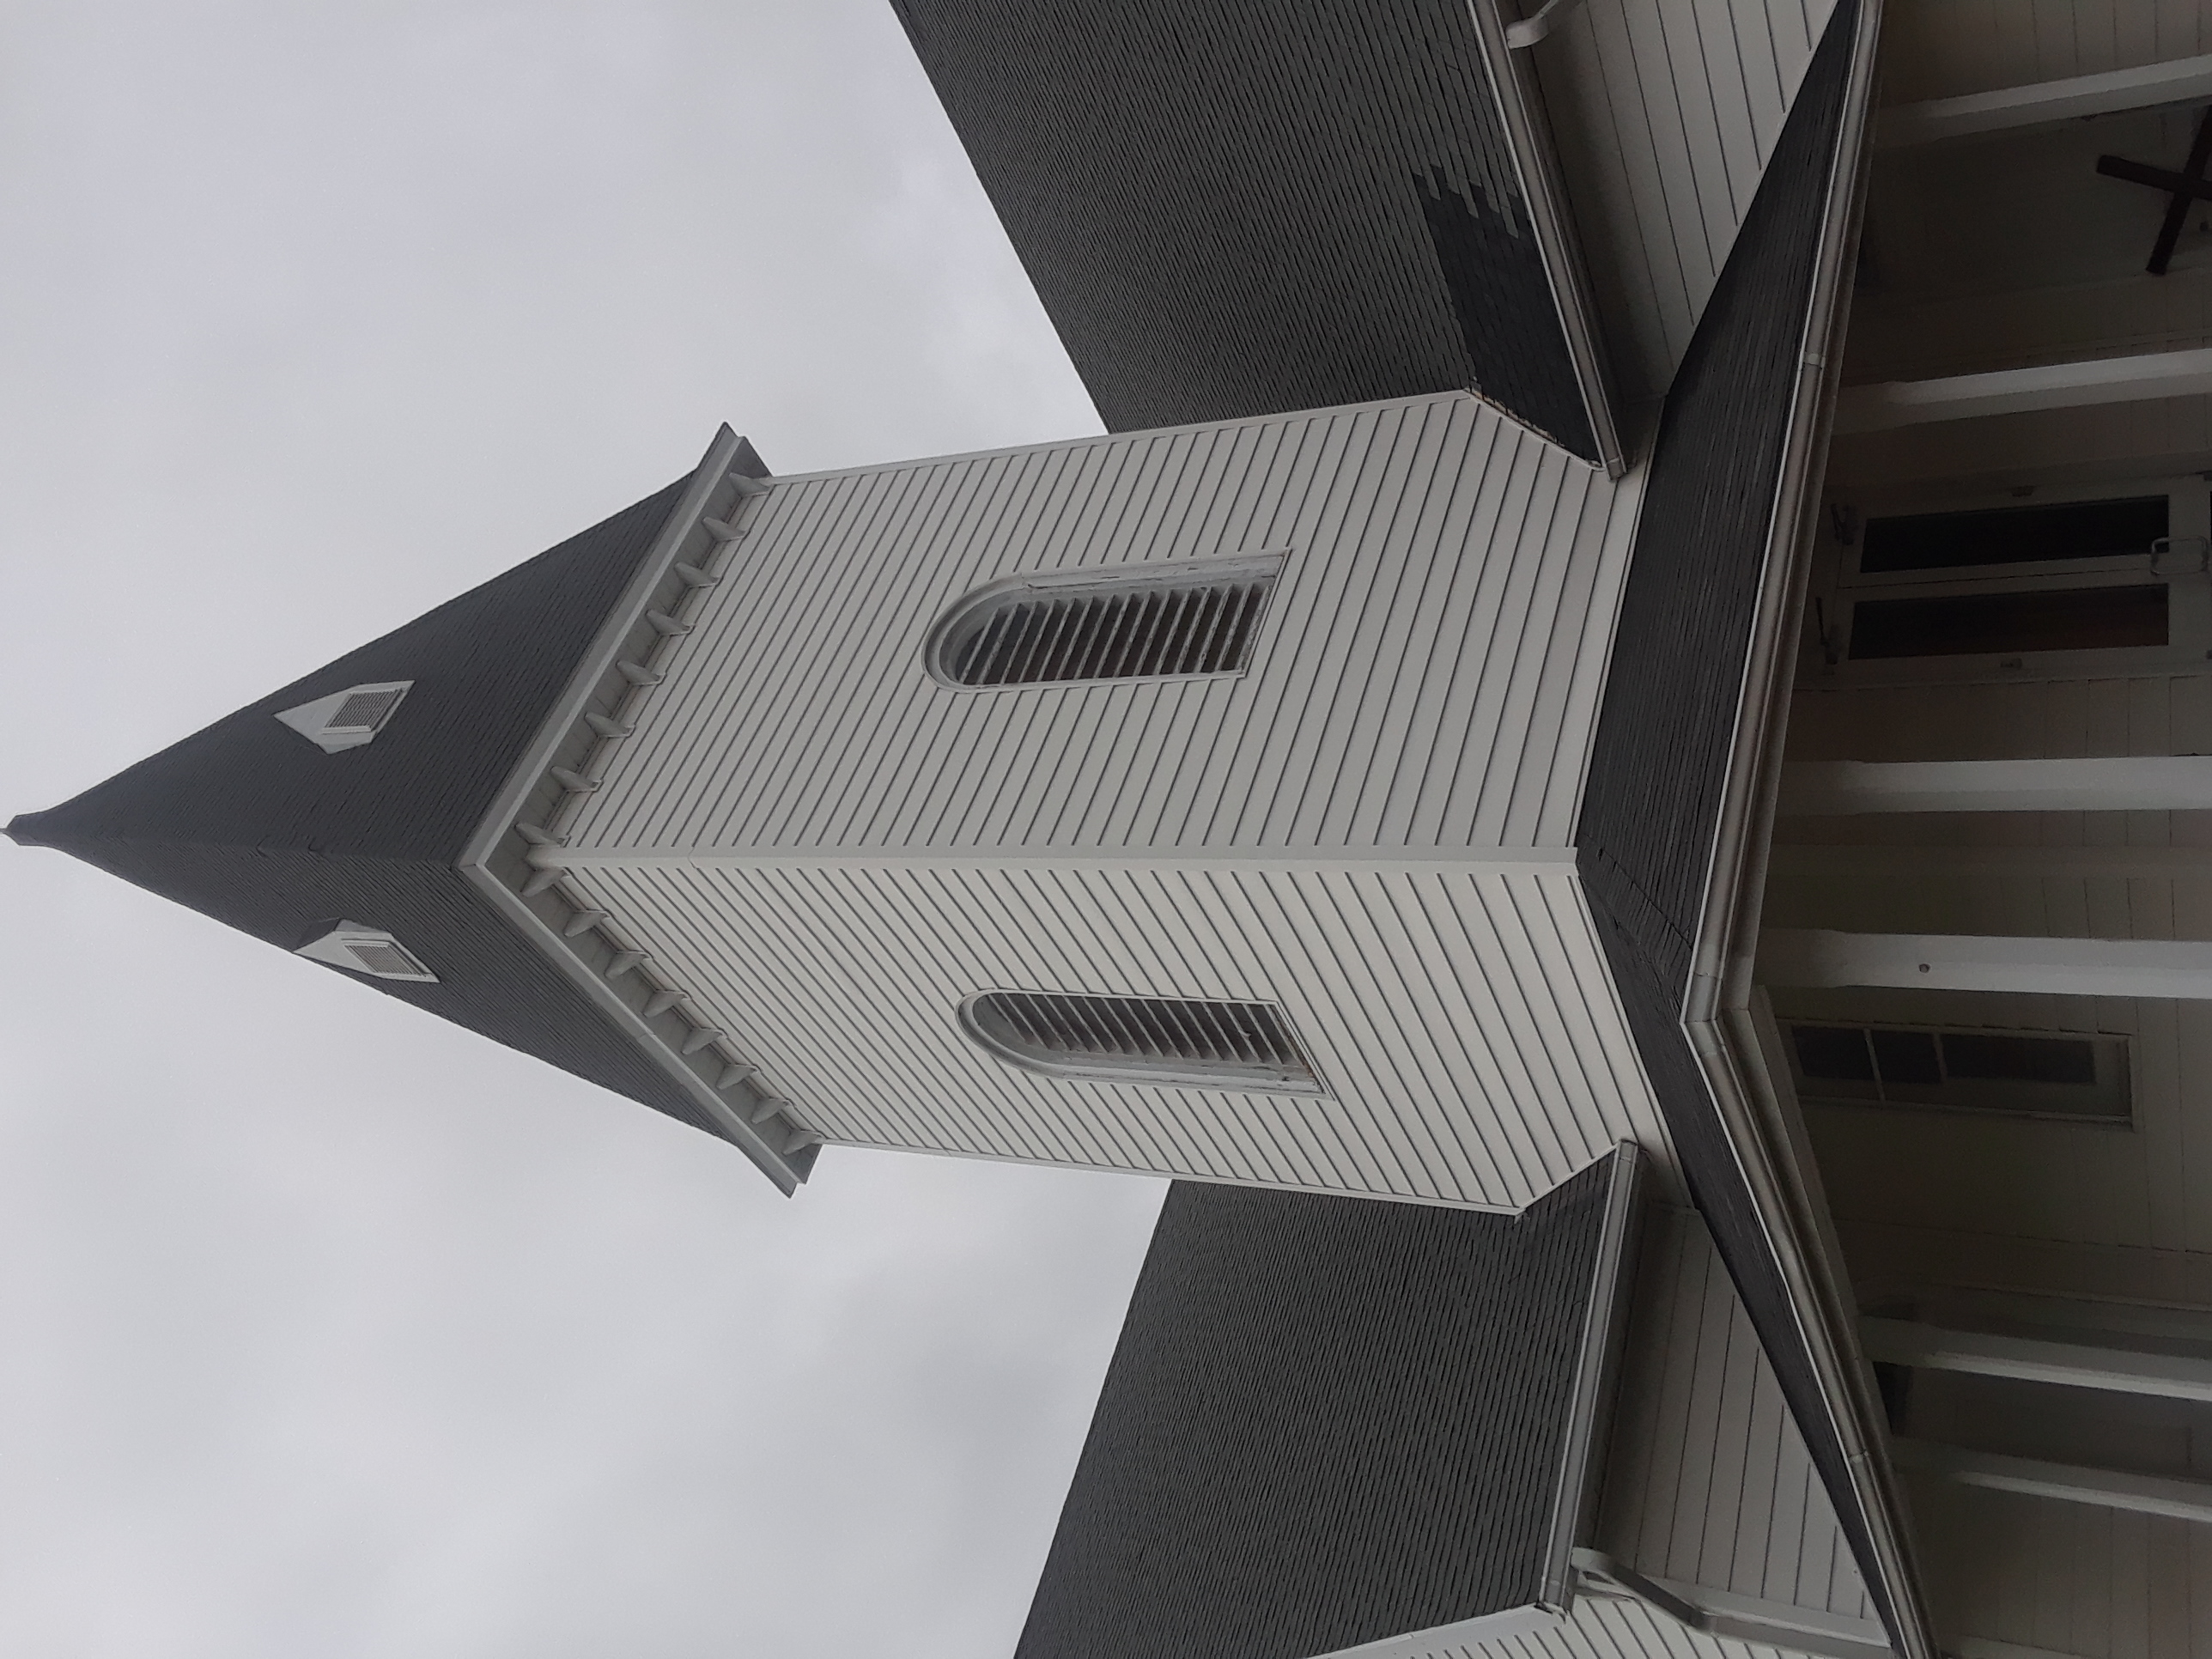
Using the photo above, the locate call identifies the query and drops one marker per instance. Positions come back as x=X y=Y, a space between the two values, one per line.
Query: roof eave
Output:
x=1528 y=132
x=728 y=452
x=1718 y=1016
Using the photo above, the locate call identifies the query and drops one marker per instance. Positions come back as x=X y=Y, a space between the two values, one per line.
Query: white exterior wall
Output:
x=1427 y=674
x=1461 y=1018
x=1665 y=112
x=828 y=850
x=1707 y=1480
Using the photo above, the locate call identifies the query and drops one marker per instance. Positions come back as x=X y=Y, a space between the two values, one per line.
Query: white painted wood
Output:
x=1953 y=961
x=1460 y=1019
x=2145 y=86
x=1665 y=113
x=1427 y=672
x=2105 y=784
x=2107 y=1489
x=1477 y=1632
x=2072 y=1364
x=2142 y=378
x=1708 y=1484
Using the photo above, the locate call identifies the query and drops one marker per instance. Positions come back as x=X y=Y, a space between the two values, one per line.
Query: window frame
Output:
x=1810 y=1089
x=1839 y=585
x=954 y=623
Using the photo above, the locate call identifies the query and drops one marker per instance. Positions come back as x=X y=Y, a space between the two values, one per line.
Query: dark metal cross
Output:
x=2188 y=187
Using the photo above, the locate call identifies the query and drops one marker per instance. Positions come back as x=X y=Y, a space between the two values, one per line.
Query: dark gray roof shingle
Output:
x=1328 y=1421
x=251 y=824
x=1652 y=813
x=1233 y=209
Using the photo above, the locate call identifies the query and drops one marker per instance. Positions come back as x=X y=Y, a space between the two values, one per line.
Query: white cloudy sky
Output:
x=325 y=1329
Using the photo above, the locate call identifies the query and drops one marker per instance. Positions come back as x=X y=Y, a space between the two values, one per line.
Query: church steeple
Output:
x=332 y=818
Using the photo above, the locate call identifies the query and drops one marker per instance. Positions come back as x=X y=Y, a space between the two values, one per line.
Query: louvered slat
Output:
x=1223 y=1044
x=1121 y=631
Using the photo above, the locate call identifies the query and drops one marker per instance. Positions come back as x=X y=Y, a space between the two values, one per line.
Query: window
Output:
x=1139 y=621
x=1167 y=1040
x=348 y=719
x=2048 y=619
x=2013 y=535
x=368 y=951
x=2030 y=1073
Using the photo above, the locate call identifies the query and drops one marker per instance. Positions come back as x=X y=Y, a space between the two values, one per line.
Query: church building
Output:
x=1609 y=763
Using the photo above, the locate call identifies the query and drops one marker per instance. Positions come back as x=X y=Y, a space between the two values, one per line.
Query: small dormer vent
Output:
x=367 y=950
x=347 y=719
x=1115 y=1039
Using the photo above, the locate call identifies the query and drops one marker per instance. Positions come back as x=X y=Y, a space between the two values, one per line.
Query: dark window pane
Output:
x=2013 y=535
x=2019 y=1059
x=1833 y=1053
x=2069 y=619
x=1907 y=1057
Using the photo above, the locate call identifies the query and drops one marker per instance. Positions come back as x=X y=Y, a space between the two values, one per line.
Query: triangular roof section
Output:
x=1231 y=210
x=332 y=811
x=1666 y=821
x=1332 y=1426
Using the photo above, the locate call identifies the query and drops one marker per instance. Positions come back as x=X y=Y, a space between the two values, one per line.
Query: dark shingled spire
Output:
x=251 y=824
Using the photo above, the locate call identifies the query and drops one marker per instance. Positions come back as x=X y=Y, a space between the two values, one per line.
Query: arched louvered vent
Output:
x=1140 y=621
x=1173 y=1040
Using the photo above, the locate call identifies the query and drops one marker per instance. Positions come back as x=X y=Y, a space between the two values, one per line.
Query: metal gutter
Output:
x=1597 y=1371
x=1716 y=1015
x=1520 y=97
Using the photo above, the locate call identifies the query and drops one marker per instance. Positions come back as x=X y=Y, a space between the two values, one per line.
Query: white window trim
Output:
x=1164 y=574
x=311 y=720
x=336 y=948
x=2180 y=567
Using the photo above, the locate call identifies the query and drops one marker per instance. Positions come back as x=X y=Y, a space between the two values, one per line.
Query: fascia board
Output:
x=1716 y=1016
x=1527 y=130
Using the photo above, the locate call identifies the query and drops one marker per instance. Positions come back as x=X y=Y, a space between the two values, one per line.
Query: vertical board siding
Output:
x=1707 y=1481
x=1665 y=115
x=1427 y=672
x=1457 y=1019
x=2067 y=1578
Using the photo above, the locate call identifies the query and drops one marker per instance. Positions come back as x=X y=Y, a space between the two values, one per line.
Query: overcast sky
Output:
x=326 y=1329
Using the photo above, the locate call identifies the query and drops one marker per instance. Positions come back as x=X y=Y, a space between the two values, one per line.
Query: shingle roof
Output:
x=1328 y=1421
x=1652 y=813
x=251 y=824
x=1231 y=210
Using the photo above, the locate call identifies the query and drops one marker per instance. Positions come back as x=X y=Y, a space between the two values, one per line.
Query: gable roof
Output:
x=1231 y=210
x=251 y=824
x=1713 y=550
x=1330 y=1421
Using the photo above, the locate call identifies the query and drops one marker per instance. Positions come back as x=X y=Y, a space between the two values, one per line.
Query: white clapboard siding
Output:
x=1427 y=672
x=1460 y=1018
x=1707 y=1481
x=1665 y=113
